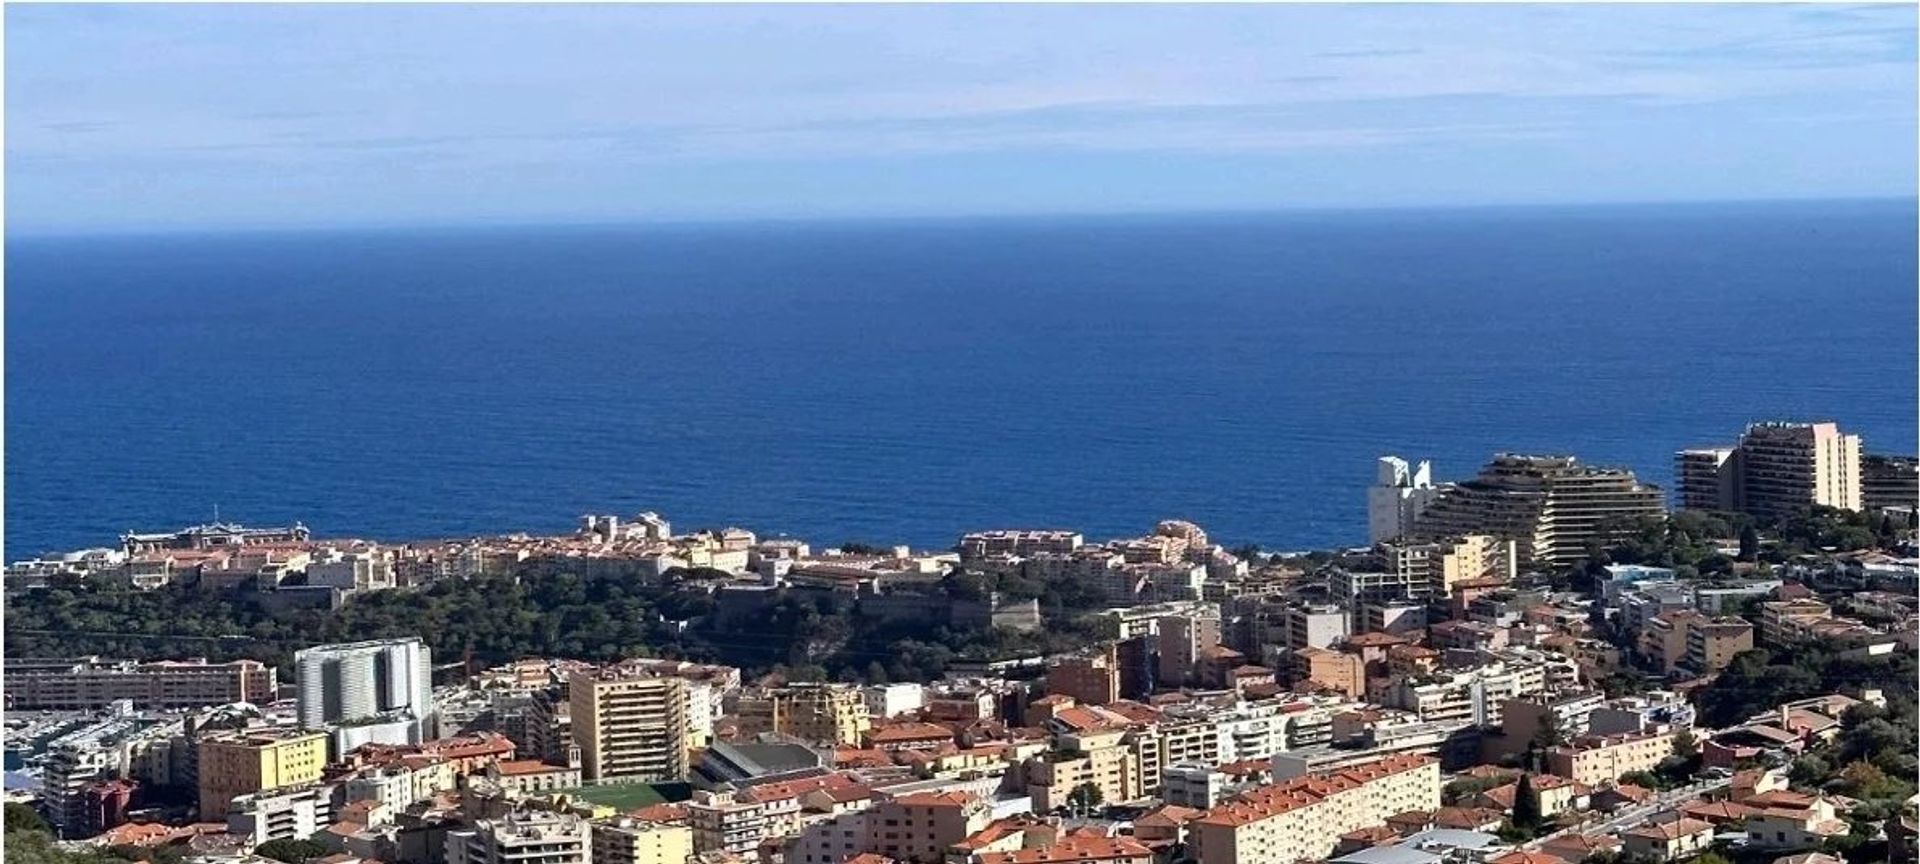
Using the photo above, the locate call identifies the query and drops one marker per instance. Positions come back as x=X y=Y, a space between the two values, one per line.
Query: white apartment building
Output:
x=369 y=569
x=294 y=813
x=1303 y=818
x=362 y=683
x=1400 y=492
x=893 y=700
x=522 y=837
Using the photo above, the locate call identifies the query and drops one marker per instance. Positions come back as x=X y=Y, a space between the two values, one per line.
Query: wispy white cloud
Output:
x=110 y=93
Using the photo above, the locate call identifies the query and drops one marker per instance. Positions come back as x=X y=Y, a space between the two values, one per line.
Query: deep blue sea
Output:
x=907 y=381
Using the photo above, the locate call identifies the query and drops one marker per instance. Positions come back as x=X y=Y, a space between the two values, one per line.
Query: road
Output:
x=1636 y=814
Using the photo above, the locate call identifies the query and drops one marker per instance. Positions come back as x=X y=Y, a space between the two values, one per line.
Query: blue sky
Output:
x=151 y=116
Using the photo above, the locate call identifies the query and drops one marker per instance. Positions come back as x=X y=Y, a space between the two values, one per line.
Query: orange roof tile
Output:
x=1073 y=848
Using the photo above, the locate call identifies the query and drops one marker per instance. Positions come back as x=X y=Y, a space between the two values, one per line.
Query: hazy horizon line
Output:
x=683 y=222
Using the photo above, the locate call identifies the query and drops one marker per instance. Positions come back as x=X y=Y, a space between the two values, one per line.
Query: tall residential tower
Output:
x=379 y=691
x=1776 y=469
x=1399 y=494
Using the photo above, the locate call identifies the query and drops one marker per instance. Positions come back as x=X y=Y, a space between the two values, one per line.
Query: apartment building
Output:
x=1183 y=640
x=892 y=700
x=1400 y=493
x=1021 y=544
x=1103 y=758
x=1786 y=466
x=1336 y=670
x=1663 y=637
x=1552 y=507
x=820 y=713
x=90 y=682
x=1889 y=481
x=724 y=822
x=1445 y=563
x=1351 y=588
x=259 y=760
x=292 y=813
x=1091 y=680
x=1599 y=760
x=919 y=827
x=1706 y=478
x=1521 y=718
x=631 y=725
x=627 y=841
x=1316 y=626
x=1713 y=642
x=71 y=769
x=378 y=691
x=522 y=837
x=1776 y=469
x=1780 y=619
x=1302 y=818
x=361 y=569
x=1475 y=695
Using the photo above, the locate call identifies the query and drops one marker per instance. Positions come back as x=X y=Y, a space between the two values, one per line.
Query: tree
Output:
x=1712 y=858
x=1865 y=780
x=1548 y=733
x=1526 y=804
x=1084 y=798
x=1684 y=745
x=1463 y=789
x=1749 y=543
x=291 y=851
x=22 y=817
x=1645 y=779
x=1809 y=771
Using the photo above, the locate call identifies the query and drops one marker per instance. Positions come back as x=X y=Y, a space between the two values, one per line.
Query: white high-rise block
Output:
x=1399 y=493
x=361 y=681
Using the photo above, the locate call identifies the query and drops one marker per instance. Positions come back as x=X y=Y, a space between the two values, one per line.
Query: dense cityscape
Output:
x=1549 y=662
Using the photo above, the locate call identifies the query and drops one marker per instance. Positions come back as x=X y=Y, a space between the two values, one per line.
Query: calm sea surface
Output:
x=907 y=381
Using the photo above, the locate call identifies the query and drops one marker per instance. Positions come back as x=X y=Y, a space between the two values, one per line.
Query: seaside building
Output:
x=215 y=535
x=1021 y=544
x=1706 y=478
x=91 y=682
x=378 y=691
x=1400 y=493
x=1889 y=482
x=1776 y=469
x=1552 y=507
x=630 y=724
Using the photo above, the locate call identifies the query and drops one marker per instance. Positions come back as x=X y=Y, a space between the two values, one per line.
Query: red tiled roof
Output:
x=1073 y=849
x=1523 y=856
x=901 y=732
x=936 y=799
x=1466 y=818
x=1268 y=801
x=660 y=813
x=522 y=767
x=1168 y=816
x=1375 y=639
